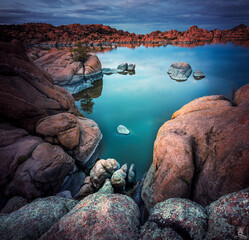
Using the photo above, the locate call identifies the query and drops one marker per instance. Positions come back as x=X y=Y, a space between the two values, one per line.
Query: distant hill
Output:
x=97 y=34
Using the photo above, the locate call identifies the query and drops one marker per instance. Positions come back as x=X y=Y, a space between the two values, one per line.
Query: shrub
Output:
x=80 y=53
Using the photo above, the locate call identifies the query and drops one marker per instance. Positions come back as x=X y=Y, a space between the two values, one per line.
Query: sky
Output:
x=139 y=16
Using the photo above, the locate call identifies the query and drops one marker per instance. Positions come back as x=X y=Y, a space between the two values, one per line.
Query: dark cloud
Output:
x=133 y=15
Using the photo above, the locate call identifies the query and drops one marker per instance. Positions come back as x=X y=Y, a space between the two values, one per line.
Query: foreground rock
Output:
x=205 y=144
x=180 y=71
x=48 y=137
x=228 y=216
x=34 y=219
x=99 y=216
x=118 y=178
x=187 y=219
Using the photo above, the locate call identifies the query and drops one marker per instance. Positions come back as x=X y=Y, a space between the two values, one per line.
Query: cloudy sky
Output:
x=139 y=16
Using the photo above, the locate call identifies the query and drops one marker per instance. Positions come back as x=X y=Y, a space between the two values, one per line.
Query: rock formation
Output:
x=202 y=153
x=96 y=35
x=65 y=71
x=43 y=136
x=180 y=71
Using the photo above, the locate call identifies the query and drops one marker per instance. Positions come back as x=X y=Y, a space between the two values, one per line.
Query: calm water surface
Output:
x=144 y=101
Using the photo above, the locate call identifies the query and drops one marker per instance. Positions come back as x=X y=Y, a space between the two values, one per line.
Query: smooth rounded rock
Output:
x=99 y=216
x=228 y=216
x=123 y=66
x=35 y=218
x=198 y=75
x=131 y=67
x=180 y=71
x=118 y=178
x=121 y=129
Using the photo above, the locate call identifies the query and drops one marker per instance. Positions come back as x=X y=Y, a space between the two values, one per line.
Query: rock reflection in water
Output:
x=86 y=96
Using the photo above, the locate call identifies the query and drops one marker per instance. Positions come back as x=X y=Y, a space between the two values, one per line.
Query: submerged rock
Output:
x=180 y=71
x=99 y=216
x=131 y=176
x=86 y=189
x=123 y=66
x=109 y=71
x=121 y=129
x=198 y=75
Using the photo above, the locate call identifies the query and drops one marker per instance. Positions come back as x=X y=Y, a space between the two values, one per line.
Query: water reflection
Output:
x=86 y=96
x=87 y=104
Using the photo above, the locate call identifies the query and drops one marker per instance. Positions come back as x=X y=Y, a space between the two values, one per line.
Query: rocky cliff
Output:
x=44 y=138
x=96 y=34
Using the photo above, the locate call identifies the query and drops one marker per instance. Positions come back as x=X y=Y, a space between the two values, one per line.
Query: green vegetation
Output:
x=80 y=53
x=21 y=159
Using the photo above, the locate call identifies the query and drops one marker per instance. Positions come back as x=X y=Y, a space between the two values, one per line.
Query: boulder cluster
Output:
x=123 y=69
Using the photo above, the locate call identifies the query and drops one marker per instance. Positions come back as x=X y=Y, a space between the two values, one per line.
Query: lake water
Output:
x=144 y=101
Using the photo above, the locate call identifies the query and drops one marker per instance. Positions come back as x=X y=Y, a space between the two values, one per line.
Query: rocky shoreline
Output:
x=52 y=186
x=97 y=35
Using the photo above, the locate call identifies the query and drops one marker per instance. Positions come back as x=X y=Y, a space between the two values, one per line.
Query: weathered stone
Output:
x=103 y=169
x=27 y=91
x=187 y=218
x=180 y=71
x=63 y=125
x=34 y=219
x=65 y=194
x=147 y=193
x=198 y=75
x=229 y=215
x=86 y=189
x=118 y=178
x=107 y=187
x=99 y=216
x=14 y=204
x=151 y=231
x=42 y=173
x=123 y=66
x=121 y=129
x=90 y=137
x=208 y=139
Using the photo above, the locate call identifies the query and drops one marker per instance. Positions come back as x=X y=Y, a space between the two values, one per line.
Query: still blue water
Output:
x=144 y=101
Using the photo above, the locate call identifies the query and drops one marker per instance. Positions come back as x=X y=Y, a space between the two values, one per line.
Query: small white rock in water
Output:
x=121 y=129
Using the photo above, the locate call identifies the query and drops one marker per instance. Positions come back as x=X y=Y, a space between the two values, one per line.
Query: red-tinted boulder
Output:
x=99 y=216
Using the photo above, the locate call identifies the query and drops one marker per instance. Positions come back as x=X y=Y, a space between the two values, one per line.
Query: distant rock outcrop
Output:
x=96 y=35
x=203 y=152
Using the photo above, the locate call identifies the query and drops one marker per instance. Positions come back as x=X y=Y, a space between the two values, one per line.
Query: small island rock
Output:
x=198 y=75
x=180 y=71
x=121 y=129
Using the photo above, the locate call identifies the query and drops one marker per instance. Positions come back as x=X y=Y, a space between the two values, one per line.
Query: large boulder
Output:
x=34 y=219
x=69 y=73
x=203 y=152
x=42 y=173
x=99 y=216
x=180 y=71
x=186 y=218
x=27 y=92
x=229 y=216
x=33 y=166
